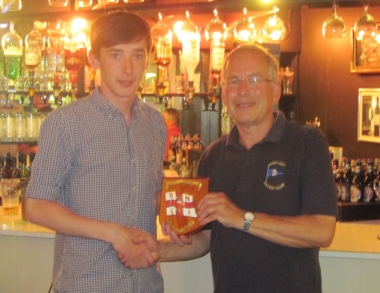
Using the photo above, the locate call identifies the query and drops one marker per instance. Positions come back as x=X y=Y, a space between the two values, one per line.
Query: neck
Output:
x=253 y=134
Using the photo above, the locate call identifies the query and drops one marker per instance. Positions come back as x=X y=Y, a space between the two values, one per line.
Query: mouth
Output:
x=126 y=83
x=245 y=105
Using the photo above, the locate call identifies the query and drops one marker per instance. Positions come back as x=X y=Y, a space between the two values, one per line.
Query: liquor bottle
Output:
x=216 y=32
x=197 y=142
x=368 y=180
x=24 y=171
x=15 y=173
x=190 y=38
x=12 y=46
x=179 y=152
x=34 y=45
x=356 y=189
x=6 y=171
x=339 y=179
x=335 y=167
x=376 y=118
x=162 y=38
x=1 y=168
x=347 y=177
x=376 y=186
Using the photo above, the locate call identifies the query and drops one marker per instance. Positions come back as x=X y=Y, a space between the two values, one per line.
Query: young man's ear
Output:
x=93 y=60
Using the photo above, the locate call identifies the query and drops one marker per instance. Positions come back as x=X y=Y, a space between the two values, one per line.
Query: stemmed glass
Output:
x=334 y=26
x=365 y=26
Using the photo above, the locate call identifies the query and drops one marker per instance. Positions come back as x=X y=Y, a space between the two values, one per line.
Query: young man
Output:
x=272 y=202
x=98 y=171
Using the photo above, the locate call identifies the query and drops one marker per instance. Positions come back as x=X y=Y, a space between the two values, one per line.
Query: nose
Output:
x=243 y=86
x=127 y=66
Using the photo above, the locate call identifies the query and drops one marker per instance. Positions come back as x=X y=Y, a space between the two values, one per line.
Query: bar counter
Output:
x=350 y=264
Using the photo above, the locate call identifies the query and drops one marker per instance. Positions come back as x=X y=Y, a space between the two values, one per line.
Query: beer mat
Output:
x=179 y=200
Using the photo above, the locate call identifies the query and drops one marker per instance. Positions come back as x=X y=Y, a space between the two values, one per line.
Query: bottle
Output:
x=346 y=184
x=24 y=170
x=179 y=152
x=376 y=187
x=336 y=174
x=190 y=47
x=356 y=189
x=376 y=118
x=339 y=181
x=368 y=180
x=15 y=174
x=34 y=45
x=1 y=168
x=6 y=171
x=162 y=38
x=12 y=46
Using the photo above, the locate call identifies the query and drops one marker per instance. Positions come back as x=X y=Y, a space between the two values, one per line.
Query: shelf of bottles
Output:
x=15 y=171
x=44 y=65
x=357 y=184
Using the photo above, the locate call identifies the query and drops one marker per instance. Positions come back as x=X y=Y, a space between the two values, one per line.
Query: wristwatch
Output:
x=248 y=218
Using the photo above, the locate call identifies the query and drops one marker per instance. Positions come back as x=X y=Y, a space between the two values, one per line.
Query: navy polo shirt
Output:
x=287 y=174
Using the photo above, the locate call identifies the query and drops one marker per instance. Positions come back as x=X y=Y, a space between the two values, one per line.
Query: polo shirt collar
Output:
x=274 y=135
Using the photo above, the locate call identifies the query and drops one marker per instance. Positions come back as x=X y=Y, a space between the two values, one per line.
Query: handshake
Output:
x=137 y=249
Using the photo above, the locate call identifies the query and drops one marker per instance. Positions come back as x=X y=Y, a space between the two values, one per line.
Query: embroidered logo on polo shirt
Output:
x=274 y=178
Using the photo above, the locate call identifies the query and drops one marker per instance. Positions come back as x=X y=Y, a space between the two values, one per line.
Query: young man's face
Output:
x=122 y=68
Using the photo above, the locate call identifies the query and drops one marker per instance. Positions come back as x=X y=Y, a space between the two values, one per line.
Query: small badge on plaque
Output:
x=179 y=199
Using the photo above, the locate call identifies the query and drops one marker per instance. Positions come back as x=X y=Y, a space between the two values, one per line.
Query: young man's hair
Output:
x=120 y=27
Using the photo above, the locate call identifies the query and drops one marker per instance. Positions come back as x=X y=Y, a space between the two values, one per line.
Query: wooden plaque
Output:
x=179 y=200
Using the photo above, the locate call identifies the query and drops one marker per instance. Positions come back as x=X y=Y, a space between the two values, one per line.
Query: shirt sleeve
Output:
x=52 y=162
x=316 y=179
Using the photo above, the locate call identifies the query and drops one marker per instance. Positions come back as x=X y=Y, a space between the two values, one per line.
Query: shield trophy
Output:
x=179 y=200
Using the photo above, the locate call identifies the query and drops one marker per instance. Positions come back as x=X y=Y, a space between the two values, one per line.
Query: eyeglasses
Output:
x=251 y=82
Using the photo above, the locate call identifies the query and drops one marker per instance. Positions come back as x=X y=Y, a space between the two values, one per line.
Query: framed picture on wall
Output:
x=369 y=115
x=365 y=55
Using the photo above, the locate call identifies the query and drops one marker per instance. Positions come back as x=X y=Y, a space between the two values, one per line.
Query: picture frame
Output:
x=365 y=55
x=369 y=115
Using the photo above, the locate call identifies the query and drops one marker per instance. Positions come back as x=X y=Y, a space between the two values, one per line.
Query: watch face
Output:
x=249 y=216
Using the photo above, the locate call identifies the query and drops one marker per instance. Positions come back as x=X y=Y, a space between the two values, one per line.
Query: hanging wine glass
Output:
x=11 y=5
x=34 y=45
x=365 y=26
x=274 y=27
x=334 y=26
x=13 y=48
x=245 y=30
x=162 y=39
x=216 y=32
x=58 y=3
